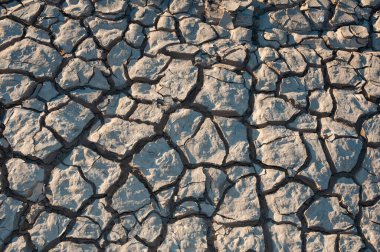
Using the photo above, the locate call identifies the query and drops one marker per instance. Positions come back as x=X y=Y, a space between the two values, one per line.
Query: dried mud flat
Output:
x=189 y=125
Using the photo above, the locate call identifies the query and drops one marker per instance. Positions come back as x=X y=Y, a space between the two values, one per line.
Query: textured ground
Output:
x=182 y=125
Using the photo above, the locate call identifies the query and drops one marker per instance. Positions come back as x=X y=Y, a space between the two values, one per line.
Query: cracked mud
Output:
x=189 y=125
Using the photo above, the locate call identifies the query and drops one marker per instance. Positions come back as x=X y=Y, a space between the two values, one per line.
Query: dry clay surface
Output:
x=190 y=125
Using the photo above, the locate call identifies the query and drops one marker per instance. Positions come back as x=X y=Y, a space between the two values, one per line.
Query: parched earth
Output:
x=190 y=125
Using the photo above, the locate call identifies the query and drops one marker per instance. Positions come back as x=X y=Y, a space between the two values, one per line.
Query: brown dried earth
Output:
x=189 y=125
